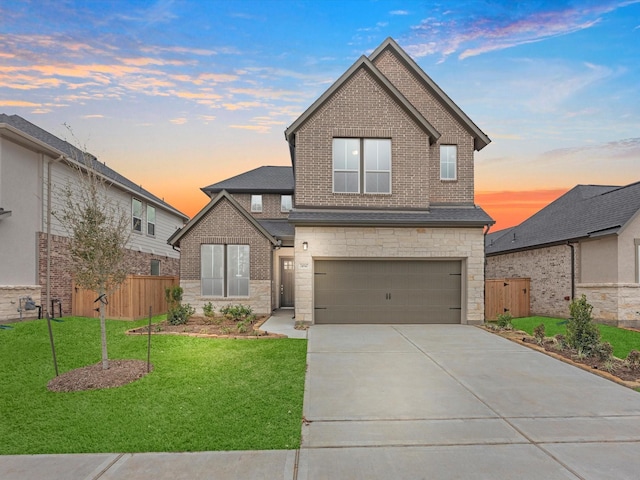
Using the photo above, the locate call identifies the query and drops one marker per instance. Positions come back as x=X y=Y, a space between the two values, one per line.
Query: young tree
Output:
x=99 y=230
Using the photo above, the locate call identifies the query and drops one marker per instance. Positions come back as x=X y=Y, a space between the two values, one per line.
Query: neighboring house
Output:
x=30 y=159
x=586 y=242
x=383 y=226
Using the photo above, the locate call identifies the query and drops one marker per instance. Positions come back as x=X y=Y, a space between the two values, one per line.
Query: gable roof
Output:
x=174 y=240
x=481 y=140
x=259 y=180
x=55 y=146
x=585 y=211
x=363 y=63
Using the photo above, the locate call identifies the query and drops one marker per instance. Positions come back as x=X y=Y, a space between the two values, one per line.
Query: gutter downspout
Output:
x=484 y=270
x=573 y=269
x=47 y=306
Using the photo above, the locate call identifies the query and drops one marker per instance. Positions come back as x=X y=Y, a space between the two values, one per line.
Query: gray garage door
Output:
x=398 y=291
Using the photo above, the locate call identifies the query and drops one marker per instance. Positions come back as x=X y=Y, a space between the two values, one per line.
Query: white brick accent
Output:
x=10 y=301
x=259 y=300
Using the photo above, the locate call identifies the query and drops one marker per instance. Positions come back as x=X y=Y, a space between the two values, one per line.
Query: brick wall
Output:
x=270 y=205
x=139 y=263
x=549 y=270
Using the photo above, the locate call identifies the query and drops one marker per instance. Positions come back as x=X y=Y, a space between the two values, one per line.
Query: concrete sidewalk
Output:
x=412 y=401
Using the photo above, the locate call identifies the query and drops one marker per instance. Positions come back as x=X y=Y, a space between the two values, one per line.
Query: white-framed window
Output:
x=448 y=162
x=286 y=203
x=224 y=270
x=351 y=156
x=256 y=203
x=136 y=215
x=151 y=220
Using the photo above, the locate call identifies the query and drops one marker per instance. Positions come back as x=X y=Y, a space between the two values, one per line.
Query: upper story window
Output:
x=448 y=162
x=286 y=203
x=151 y=220
x=136 y=214
x=351 y=156
x=256 y=203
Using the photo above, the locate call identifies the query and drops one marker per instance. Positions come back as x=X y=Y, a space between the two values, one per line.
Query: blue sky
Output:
x=177 y=94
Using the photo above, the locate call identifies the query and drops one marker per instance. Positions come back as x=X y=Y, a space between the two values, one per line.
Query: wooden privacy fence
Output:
x=130 y=302
x=507 y=295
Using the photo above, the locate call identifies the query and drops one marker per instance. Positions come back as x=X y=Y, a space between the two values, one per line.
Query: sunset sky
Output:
x=177 y=95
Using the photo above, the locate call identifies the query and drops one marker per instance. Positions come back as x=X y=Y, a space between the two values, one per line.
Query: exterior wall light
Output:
x=305 y=246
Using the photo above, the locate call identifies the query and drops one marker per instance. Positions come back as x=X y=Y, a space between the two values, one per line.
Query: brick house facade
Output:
x=405 y=246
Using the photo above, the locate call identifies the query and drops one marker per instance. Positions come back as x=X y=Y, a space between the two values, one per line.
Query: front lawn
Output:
x=203 y=394
x=623 y=341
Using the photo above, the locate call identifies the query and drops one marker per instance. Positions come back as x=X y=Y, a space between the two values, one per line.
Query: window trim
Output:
x=133 y=215
x=226 y=279
x=455 y=162
x=362 y=169
x=282 y=197
x=152 y=208
x=257 y=209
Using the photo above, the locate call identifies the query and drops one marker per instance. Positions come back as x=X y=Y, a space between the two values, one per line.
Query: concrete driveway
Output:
x=440 y=402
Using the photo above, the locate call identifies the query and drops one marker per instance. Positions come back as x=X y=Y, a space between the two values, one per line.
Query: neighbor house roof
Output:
x=22 y=130
x=260 y=180
x=174 y=239
x=585 y=211
x=471 y=216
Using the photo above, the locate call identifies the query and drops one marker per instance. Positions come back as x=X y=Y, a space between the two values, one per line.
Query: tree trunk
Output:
x=103 y=331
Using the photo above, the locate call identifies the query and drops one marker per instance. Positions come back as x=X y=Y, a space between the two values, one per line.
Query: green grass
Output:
x=623 y=341
x=203 y=394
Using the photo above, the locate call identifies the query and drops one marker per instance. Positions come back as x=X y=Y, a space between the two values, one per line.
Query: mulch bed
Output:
x=200 y=326
x=618 y=371
x=92 y=377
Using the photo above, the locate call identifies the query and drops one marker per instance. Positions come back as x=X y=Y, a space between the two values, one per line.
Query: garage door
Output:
x=378 y=291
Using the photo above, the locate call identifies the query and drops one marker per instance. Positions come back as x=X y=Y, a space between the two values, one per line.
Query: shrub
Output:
x=582 y=333
x=173 y=295
x=561 y=341
x=633 y=359
x=504 y=320
x=538 y=333
x=180 y=314
x=604 y=351
x=238 y=313
x=208 y=310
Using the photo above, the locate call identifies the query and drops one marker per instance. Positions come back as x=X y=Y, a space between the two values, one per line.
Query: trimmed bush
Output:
x=582 y=333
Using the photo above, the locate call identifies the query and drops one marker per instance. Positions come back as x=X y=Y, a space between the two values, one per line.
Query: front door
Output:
x=287 y=273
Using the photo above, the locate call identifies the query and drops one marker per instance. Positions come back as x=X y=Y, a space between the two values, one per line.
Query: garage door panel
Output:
x=402 y=291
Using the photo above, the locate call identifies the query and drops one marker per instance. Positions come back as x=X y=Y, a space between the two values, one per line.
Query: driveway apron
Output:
x=454 y=401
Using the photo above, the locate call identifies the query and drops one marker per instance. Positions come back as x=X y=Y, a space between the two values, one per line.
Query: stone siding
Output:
x=465 y=244
x=613 y=303
x=549 y=270
x=10 y=301
x=259 y=298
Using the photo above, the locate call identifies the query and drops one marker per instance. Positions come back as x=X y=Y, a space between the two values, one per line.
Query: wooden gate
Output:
x=130 y=302
x=507 y=295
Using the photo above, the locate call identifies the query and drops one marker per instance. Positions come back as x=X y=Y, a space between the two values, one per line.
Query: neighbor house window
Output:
x=351 y=156
x=256 y=203
x=448 y=162
x=136 y=214
x=155 y=267
x=225 y=270
x=286 y=203
x=151 y=220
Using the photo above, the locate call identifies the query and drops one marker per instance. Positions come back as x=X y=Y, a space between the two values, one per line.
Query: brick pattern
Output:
x=225 y=225
x=390 y=243
x=362 y=108
x=10 y=301
x=270 y=205
x=260 y=297
x=453 y=133
x=139 y=263
x=613 y=303
x=549 y=270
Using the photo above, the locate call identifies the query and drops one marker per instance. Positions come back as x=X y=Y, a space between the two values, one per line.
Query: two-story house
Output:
x=385 y=229
x=35 y=167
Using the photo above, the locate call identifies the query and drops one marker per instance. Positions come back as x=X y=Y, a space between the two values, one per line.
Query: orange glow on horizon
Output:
x=510 y=208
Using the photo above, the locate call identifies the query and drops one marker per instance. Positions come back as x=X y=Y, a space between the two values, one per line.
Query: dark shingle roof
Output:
x=584 y=211
x=435 y=216
x=75 y=154
x=279 y=228
x=259 y=180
